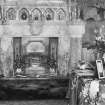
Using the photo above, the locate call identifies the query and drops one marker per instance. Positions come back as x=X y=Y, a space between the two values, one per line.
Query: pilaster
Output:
x=76 y=30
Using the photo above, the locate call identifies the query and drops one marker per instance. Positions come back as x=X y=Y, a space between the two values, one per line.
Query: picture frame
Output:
x=100 y=69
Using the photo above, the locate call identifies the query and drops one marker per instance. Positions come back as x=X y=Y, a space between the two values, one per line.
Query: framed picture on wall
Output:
x=100 y=69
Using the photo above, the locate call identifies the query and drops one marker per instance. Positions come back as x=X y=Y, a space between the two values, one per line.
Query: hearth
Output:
x=36 y=64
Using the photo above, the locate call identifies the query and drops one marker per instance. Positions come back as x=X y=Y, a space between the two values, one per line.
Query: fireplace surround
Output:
x=35 y=57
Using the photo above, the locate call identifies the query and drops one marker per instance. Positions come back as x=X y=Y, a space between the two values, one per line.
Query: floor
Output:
x=24 y=97
x=34 y=102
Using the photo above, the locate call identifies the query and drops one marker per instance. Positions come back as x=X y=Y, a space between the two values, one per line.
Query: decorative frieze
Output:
x=34 y=14
x=38 y=11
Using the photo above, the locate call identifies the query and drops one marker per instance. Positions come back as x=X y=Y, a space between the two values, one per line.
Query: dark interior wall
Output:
x=89 y=39
x=89 y=36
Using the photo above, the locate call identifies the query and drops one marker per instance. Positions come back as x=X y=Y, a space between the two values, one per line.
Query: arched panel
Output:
x=61 y=15
x=11 y=14
x=49 y=14
x=23 y=14
x=36 y=14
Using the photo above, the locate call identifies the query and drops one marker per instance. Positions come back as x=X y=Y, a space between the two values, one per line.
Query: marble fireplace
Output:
x=35 y=57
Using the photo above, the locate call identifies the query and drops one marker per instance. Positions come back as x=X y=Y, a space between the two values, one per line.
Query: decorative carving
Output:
x=36 y=14
x=11 y=14
x=24 y=14
x=61 y=14
x=49 y=14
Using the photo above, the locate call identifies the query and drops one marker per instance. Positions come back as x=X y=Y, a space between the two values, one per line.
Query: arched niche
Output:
x=49 y=14
x=61 y=14
x=11 y=14
x=24 y=14
x=36 y=15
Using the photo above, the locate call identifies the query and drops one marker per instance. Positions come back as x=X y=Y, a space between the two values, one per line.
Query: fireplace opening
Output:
x=35 y=57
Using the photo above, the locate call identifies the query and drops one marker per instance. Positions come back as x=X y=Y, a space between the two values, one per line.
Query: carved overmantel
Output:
x=32 y=18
